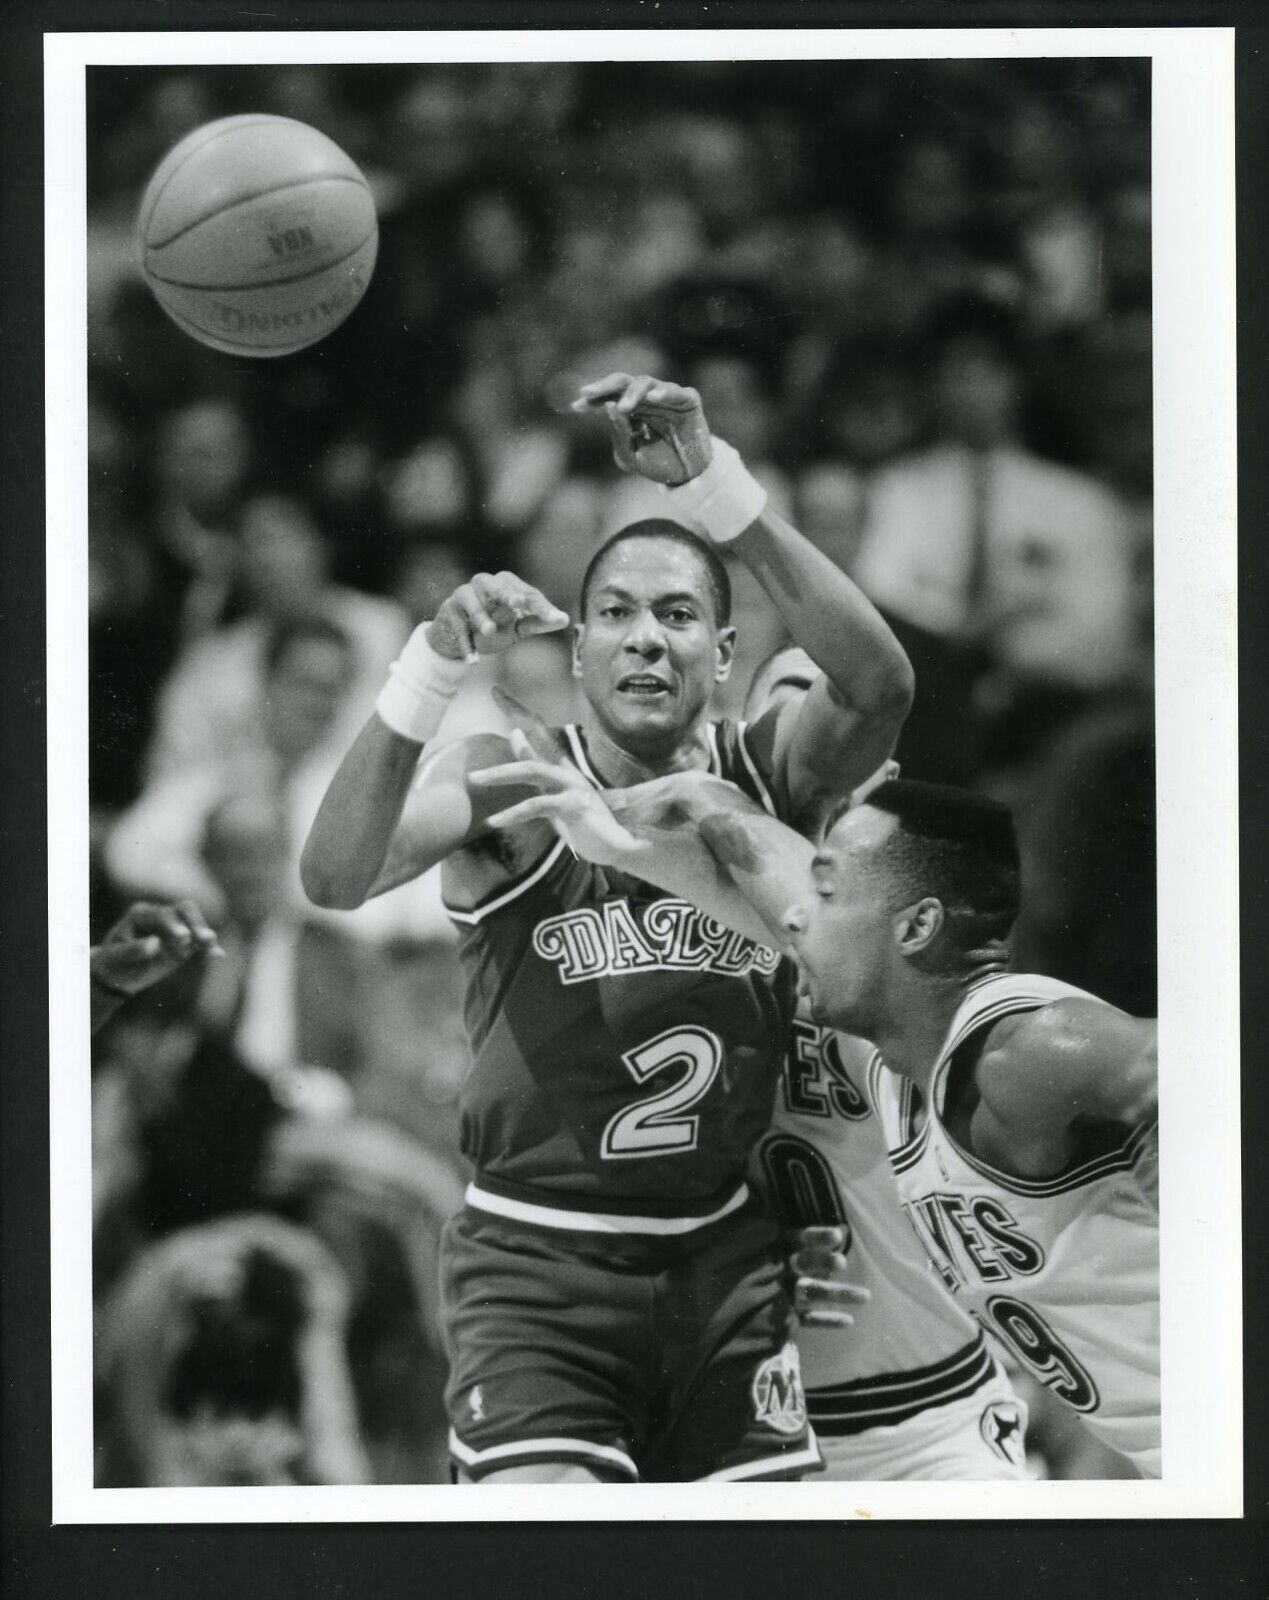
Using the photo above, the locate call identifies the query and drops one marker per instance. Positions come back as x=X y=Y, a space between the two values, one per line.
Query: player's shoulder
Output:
x=1053 y=1054
x=1055 y=1033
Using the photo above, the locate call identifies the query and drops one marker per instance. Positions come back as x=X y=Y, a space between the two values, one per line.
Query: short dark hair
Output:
x=240 y=1356
x=295 y=630
x=953 y=844
x=663 y=528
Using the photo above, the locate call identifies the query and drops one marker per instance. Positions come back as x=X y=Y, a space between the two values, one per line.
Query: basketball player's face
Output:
x=842 y=931
x=649 y=651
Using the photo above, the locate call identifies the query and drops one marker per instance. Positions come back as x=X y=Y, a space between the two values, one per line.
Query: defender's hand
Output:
x=658 y=428
x=821 y=1292
x=488 y=614
x=147 y=943
x=565 y=799
x=678 y=799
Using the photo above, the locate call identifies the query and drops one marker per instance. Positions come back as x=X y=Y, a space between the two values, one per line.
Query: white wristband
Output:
x=722 y=501
x=421 y=683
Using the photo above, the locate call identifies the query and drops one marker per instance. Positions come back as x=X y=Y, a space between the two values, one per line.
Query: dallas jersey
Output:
x=1063 y=1270
x=626 y=1046
x=912 y=1348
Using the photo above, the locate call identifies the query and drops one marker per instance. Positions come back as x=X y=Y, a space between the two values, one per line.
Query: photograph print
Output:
x=622 y=863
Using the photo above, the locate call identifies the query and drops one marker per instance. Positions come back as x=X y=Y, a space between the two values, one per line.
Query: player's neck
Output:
x=917 y=1017
x=920 y=1009
x=620 y=767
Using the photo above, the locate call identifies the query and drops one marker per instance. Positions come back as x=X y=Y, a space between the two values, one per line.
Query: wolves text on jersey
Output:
x=973 y=1239
x=664 y=936
x=816 y=1082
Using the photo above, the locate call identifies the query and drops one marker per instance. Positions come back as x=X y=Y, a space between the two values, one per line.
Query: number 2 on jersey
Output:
x=658 y=1127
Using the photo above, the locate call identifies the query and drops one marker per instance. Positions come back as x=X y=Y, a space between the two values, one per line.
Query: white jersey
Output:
x=1064 y=1270
x=912 y=1347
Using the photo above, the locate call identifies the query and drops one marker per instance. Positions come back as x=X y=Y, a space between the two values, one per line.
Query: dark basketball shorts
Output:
x=641 y=1358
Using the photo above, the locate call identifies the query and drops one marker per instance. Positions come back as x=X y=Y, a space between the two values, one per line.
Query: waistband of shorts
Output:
x=893 y=1397
x=543 y=1214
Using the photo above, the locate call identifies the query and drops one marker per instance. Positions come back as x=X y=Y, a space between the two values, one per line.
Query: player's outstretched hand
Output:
x=148 y=942
x=822 y=1294
x=564 y=798
x=658 y=428
x=488 y=614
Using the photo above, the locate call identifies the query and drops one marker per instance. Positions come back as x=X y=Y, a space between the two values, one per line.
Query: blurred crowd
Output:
x=915 y=296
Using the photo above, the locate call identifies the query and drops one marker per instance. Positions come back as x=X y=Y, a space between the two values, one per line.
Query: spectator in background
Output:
x=211 y=706
x=1086 y=830
x=981 y=542
x=290 y=993
x=1037 y=199
x=932 y=241
x=241 y=1093
x=221 y=1361
x=939 y=740
x=306 y=669
x=146 y=944
x=202 y=456
x=378 y=1199
x=866 y=405
x=200 y=1071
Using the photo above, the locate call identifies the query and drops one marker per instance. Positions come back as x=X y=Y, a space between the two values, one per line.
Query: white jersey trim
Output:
x=751 y=766
x=478 y=913
x=560 y=1448
x=578 y=752
x=791 y=1459
x=596 y=1221
x=715 y=760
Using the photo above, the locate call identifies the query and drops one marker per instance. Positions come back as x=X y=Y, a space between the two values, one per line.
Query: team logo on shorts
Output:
x=777 y=1392
x=476 y=1404
x=1001 y=1428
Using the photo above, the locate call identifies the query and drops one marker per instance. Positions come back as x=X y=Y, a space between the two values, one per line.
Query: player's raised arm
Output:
x=1074 y=1059
x=847 y=726
x=360 y=842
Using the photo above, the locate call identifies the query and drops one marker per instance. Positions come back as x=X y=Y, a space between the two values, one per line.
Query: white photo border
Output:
x=1196 y=698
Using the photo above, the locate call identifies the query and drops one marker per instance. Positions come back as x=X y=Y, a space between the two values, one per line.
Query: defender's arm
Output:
x=693 y=834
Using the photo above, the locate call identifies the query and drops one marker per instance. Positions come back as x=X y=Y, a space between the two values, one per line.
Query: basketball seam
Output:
x=238 y=344
x=259 y=194
x=144 y=222
x=266 y=283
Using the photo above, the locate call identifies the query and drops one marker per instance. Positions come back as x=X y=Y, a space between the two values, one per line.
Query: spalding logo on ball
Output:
x=258 y=235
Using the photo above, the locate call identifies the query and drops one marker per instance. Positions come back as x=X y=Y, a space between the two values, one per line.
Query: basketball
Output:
x=257 y=235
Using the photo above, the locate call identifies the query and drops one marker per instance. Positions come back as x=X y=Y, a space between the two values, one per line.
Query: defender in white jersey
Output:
x=1063 y=1269
x=1021 y=1113
x=910 y=1390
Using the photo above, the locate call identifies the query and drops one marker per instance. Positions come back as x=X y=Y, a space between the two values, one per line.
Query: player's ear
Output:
x=917 y=926
x=725 y=645
x=579 y=633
